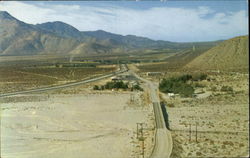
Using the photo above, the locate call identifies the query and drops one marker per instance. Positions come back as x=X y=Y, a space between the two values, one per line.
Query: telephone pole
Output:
x=131 y=98
x=142 y=142
x=140 y=136
x=196 y=134
x=190 y=132
x=137 y=130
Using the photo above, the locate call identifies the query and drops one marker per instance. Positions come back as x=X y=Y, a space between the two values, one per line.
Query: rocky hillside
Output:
x=231 y=54
x=19 y=38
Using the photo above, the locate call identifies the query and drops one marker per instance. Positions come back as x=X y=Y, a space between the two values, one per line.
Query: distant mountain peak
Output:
x=60 y=28
x=101 y=31
x=6 y=15
x=56 y=24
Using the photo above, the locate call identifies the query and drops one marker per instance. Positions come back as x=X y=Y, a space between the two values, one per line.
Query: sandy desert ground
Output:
x=222 y=119
x=75 y=123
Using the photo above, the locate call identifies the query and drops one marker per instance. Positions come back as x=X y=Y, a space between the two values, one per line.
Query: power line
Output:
x=141 y=138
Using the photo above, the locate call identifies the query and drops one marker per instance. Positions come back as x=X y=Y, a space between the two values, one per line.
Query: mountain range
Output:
x=19 y=38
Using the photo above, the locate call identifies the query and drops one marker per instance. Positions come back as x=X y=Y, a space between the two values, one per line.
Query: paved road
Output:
x=163 y=139
x=66 y=85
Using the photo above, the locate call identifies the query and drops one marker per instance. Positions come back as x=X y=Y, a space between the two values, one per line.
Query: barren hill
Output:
x=231 y=54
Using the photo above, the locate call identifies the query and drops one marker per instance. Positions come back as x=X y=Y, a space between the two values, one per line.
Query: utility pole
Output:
x=131 y=98
x=141 y=138
x=142 y=142
x=196 y=132
x=190 y=132
x=137 y=130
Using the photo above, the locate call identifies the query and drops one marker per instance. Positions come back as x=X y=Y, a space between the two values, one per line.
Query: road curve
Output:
x=163 y=139
x=64 y=85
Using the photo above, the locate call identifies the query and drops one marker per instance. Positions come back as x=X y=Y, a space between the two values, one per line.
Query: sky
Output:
x=179 y=21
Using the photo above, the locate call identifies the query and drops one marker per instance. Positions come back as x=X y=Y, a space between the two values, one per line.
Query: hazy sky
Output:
x=181 y=21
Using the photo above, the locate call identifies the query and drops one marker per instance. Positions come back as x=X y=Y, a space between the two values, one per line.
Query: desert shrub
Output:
x=213 y=88
x=57 y=65
x=186 y=90
x=241 y=145
x=118 y=85
x=226 y=89
x=170 y=105
x=109 y=85
x=136 y=87
x=102 y=87
x=96 y=87
x=166 y=86
x=239 y=92
x=184 y=78
x=198 y=153
x=203 y=76
x=177 y=85
x=199 y=77
x=228 y=143
x=199 y=85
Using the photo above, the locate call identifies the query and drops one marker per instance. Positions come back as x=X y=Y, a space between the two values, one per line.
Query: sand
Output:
x=222 y=120
x=89 y=124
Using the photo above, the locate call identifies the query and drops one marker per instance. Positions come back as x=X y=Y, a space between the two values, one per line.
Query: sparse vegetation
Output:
x=177 y=85
x=182 y=84
x=214 y=123
x=198 y=85
x=213 y=89
x=199 y=77
x=220 y=111
x=23 y=77
x=226 y=89
x=75 y=65
x=118 y=85
x=96 y=87
x=136 y=87
x=170 y=105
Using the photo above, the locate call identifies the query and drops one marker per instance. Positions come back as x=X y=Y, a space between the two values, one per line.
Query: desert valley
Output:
x=73 y=94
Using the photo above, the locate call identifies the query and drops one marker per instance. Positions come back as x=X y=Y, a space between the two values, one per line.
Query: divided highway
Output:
x=163 y=139
x=122 y=70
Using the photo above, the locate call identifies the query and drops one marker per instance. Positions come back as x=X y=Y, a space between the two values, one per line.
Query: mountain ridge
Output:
x=19 y=38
